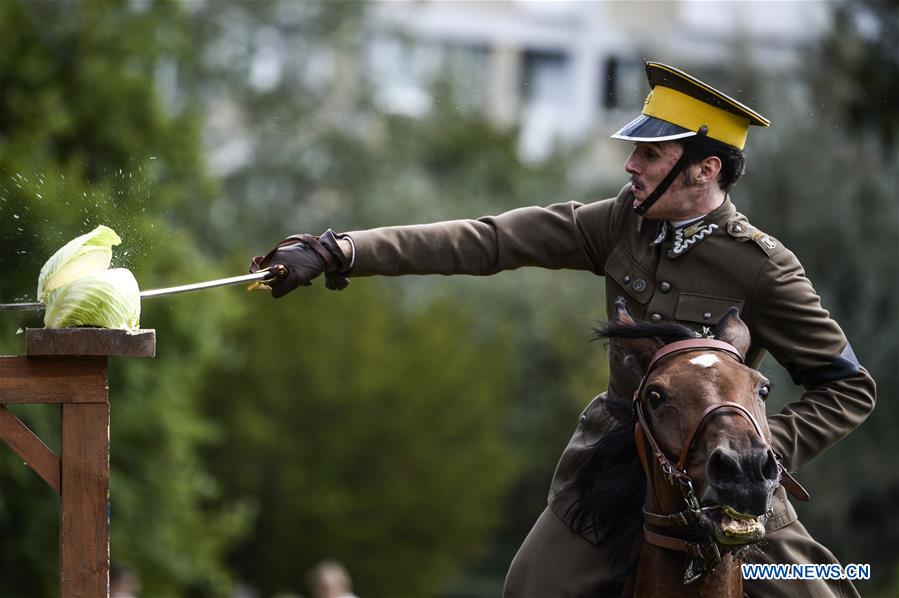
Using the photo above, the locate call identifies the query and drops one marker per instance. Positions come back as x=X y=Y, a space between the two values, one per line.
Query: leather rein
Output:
x=704 y=553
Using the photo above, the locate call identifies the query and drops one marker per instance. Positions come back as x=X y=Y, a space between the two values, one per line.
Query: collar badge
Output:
x=663 y=234
x=688 y=236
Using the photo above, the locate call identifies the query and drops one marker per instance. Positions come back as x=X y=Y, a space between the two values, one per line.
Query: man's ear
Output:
x=731 y=329
x=709 y=169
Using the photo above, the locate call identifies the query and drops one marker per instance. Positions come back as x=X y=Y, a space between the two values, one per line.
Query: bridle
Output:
x=693 y=540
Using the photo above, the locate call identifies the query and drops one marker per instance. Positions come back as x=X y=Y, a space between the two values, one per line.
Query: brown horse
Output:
x=698 y=438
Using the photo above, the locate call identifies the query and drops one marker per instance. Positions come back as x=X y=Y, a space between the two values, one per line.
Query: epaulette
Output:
x=739 y=228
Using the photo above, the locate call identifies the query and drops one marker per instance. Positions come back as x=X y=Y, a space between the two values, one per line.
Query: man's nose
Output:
x=632 y=165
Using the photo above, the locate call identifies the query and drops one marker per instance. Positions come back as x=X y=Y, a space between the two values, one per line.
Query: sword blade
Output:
x=262 y=275
x=22 y=306
x=209 y=284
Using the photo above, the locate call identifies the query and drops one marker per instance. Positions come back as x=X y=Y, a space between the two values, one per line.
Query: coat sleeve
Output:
x=800 y=334
x=564 y=235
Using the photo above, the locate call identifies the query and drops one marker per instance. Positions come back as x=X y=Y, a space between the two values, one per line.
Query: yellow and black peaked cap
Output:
x=679 y=105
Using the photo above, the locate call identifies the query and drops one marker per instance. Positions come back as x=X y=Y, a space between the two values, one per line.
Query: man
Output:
x=674 y=248
x=330 y=579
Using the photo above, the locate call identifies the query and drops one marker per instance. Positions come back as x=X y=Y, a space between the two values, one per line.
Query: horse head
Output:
x=701 y=433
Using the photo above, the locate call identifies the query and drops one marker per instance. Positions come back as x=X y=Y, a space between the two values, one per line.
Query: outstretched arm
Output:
x=565 y=235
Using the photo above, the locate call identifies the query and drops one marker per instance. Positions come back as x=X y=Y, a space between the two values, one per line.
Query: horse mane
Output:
x=609 y=482
x=667 y=332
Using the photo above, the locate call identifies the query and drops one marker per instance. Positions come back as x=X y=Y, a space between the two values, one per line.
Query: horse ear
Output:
x=620 y=314
x=633 y=353
x=731 y=329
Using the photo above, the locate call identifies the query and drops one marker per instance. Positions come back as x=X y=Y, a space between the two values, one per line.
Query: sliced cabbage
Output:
x=88 y=254
x=109 y=299
x=80 y=290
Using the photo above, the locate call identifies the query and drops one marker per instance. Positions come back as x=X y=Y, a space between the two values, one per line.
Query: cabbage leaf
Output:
x=88 y=254
x=109 y=299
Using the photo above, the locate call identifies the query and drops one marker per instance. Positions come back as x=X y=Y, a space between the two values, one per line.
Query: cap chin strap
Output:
x=678 y=167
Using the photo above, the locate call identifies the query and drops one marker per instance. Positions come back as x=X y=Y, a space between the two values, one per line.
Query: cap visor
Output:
x=648 y=128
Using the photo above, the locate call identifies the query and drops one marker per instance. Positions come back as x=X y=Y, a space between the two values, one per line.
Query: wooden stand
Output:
x=68 y=367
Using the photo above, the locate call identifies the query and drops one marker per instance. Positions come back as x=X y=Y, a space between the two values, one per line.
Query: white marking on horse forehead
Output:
x=705 y=360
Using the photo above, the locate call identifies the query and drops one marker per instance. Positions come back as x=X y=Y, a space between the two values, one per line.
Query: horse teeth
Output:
x=738 y=527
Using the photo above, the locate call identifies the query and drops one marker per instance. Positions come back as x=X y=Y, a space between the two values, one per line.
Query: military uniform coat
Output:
x=691 y=275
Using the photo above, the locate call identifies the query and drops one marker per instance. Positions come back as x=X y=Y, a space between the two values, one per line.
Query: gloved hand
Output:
x=306 y=257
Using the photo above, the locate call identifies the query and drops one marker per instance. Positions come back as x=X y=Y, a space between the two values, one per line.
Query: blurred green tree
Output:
x=85 y=140
x=848 y=250
x=100 y=127
x=321 y=156
x=824 y=181
x=857 y=67
x=353 y=430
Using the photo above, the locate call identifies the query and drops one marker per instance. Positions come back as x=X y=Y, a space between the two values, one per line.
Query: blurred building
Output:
x=569 y=71
x=562 y=72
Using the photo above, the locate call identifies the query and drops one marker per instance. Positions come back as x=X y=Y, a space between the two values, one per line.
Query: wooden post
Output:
x=84 y=500
x=68 y=367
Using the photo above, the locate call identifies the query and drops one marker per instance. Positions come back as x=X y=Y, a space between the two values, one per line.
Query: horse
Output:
x=693 y=455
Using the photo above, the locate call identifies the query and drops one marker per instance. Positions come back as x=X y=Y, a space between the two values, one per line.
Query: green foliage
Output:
x=825 y=184
x=837 y=211
x=446 y=403
x=407 y=427
x=314 y=167
x=857 y=67
x=364 y=434
x=85 y=142
x=823 y=180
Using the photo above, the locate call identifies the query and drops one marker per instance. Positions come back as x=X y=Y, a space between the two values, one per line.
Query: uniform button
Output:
x=656 y=317
x=639 y=285
x=583 y=418
x=707 y=315
x=665 y=286
x=627 y=279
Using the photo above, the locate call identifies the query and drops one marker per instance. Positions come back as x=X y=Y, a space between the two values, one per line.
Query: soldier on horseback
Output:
x=673 y=248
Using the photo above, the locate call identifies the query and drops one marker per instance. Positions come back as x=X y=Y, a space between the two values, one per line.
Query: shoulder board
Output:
x=740 y=228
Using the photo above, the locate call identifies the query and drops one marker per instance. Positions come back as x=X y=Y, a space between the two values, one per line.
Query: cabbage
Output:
x=109 y=299
x=79 y=290
x=88 y=254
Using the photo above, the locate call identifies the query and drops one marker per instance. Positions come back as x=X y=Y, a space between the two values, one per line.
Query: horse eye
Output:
x=655 y=398
x=764 y=390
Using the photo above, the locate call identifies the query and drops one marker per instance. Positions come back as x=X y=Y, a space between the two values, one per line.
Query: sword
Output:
x=259 y=278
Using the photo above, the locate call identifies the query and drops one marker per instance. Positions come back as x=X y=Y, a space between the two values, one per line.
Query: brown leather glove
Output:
x=305 y=257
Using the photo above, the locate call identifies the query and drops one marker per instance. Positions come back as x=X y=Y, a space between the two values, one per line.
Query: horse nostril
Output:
x=723 y=468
